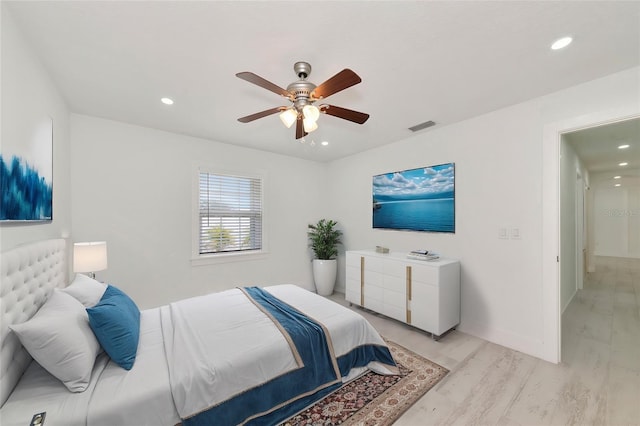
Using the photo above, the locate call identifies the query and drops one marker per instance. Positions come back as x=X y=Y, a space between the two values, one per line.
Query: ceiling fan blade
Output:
x=265 y=84
x=300 y=133
x=260 y=114
x=344 y=79
x=347 y=114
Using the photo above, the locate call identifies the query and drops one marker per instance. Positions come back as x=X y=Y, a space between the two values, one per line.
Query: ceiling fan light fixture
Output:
x=311 y=112
x=288 y=117
x=303 y=93
x=309 y=125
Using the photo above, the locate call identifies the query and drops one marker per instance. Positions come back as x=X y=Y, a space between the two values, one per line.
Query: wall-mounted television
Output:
x=422 y=199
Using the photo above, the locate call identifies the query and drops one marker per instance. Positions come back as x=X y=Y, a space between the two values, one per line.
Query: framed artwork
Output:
x=26 y=175
x=421 y=199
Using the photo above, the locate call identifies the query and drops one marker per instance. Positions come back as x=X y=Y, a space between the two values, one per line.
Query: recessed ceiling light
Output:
x=324 y=143
x=561 y=43
x=617 y=184
x=623 y=164
x=623 y=146
x=617 y=177
x=167 y=101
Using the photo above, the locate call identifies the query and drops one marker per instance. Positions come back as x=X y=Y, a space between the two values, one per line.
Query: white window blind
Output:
x=230 y=213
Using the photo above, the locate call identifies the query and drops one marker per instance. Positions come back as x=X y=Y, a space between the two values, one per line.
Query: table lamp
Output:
x=90 y=257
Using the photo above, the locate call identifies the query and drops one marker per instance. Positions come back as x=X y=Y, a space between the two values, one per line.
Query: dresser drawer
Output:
x=375 y=305
x=395 y=269
x=424 y=274
x=353 y=296
x=372 y=292
x=395 y=312
x=395 y=298
x=353 y=259
x=394 y=283
x=374 y=264
x=373 y=278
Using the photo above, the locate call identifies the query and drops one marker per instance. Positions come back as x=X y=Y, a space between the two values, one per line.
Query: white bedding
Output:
x=143 y=395
x=115 y=396
x=249 y=349
x=210 y=374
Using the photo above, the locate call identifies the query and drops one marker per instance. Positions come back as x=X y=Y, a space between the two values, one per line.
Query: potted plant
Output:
x=323 y=240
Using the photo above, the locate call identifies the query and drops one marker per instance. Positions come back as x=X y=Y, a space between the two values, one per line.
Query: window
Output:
x=230 y=214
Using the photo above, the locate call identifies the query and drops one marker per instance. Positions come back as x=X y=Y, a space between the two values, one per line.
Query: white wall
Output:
x=132 y=186
x=27 y=96
x=499 y=175
x=616 y=214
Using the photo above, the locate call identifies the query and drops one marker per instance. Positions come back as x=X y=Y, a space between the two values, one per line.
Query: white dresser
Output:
x=424 y=294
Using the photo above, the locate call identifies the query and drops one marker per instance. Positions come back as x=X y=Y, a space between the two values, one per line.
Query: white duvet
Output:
x=192 y=355
x=220 y=345
x=217 y=346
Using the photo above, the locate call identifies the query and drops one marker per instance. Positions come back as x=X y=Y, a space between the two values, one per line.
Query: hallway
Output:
x=601 y=343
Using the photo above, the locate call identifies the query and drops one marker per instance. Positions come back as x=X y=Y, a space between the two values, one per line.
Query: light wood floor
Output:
x=597 y=383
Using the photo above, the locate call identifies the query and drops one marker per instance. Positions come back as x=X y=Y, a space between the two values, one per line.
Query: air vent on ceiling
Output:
x=422 y=126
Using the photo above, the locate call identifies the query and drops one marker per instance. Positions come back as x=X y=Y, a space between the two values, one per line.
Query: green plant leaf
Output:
x=324 y=239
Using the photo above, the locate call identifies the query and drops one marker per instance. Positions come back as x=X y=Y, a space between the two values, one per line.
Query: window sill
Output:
x=212 y=259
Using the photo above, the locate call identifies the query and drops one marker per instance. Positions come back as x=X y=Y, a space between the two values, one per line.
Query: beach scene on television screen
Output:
x=420 y=199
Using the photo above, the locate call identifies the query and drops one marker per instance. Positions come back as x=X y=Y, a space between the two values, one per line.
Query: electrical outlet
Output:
x=502 y=233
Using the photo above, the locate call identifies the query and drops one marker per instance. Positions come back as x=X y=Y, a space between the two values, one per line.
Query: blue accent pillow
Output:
x=115 y=321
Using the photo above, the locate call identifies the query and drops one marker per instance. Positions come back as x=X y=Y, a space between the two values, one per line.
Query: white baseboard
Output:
x=524 y=344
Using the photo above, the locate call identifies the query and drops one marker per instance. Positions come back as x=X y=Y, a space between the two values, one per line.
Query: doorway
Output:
x=605 y=158
x=551 y=214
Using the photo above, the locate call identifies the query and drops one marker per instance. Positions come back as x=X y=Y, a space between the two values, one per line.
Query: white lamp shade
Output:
x=309 y=125
x=288 y=117
x=90 y=257
x=311 y=112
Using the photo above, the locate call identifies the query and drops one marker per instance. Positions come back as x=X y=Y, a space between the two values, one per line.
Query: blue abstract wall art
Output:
x=26 y=178
x=25 y=194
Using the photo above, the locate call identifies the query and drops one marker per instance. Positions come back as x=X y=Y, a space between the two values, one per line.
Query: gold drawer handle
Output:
x=362 y=281
x=408 y=274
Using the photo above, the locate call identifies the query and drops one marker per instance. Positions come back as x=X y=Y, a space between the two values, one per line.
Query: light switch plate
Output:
x=515 y=233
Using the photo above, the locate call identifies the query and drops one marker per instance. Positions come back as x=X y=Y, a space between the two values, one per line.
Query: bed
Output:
x=242 y=356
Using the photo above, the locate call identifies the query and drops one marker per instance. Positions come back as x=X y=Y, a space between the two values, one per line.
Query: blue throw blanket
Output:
x=285 y=395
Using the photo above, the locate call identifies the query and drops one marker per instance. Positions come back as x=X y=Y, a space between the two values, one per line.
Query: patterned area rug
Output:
x=373 y=399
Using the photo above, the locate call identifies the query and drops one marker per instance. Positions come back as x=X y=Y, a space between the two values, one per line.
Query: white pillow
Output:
x=87 y=290
x=60 y=339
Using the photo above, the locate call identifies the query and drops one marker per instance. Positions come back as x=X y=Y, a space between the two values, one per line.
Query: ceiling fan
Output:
x=303 y=94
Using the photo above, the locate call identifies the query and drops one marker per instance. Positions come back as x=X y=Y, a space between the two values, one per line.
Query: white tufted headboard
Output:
x=28 y=275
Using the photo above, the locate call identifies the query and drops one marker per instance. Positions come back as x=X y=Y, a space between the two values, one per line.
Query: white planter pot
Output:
x=324 y=275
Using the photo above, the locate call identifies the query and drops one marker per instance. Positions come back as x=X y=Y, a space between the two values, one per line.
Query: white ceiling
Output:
x=598 y=149
x=419 y=61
